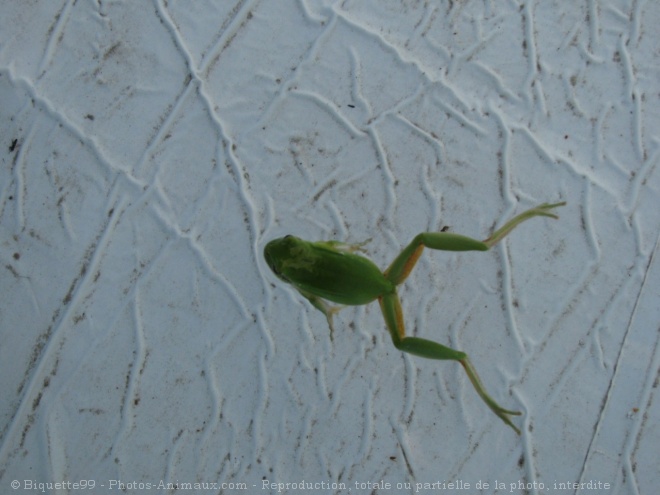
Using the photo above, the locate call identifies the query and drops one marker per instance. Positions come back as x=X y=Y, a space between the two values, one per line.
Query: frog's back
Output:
x=340 y=277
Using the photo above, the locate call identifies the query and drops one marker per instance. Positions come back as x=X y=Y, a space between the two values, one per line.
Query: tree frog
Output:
x=332 y=271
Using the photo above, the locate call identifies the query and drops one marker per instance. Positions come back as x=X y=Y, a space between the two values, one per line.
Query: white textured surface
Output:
x=150 y=149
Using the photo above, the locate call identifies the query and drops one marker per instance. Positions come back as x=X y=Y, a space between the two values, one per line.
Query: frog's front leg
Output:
x=343 y=247
x=391 y=308
x=325 y=308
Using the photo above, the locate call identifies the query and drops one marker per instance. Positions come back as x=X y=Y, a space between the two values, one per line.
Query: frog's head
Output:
x=279 y=252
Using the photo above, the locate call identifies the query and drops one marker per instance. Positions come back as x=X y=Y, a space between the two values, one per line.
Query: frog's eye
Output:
x=270 y=262
x=275 y=270
x=279 y=274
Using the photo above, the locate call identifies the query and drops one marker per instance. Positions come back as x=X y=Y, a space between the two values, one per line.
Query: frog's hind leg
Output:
x=391 y=308
x=401 y=267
